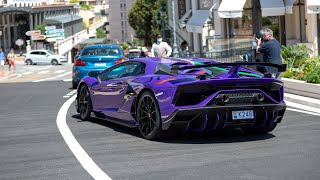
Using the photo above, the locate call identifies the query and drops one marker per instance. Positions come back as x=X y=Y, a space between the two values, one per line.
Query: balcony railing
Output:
x=23 y=3
x=67 y=44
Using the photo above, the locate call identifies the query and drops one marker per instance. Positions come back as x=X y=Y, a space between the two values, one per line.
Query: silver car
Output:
x=44 y=57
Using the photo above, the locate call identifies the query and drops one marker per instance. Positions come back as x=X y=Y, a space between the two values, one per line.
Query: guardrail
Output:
x=223 y=56
x=67 y=44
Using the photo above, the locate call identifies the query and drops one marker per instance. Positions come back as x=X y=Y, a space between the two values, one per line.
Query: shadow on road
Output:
x=221 y=136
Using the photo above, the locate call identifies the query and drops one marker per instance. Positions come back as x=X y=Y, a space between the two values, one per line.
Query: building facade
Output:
x=226 y=25
x=119 y=28
x=20 y=16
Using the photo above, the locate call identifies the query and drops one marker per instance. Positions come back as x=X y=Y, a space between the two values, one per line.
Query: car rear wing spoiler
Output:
x=234 y=66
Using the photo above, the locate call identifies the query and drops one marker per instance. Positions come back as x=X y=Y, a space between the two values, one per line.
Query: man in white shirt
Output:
x=160 y=49
x=2 y=59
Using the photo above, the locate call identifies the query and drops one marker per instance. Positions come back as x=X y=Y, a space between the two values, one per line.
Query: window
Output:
x=35 y=53
x=181 y=8
x=101 y=52
x=205 y=4
x=123 y=70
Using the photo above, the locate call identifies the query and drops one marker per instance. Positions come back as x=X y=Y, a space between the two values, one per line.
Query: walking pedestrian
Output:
x=160 y=49
x=10 y=58
x=2 y=60
x=184 y=49
x=271 y=51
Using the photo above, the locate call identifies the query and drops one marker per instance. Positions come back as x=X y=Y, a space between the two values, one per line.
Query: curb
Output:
x=302 y=100
x=8 y=77
x=301 y=88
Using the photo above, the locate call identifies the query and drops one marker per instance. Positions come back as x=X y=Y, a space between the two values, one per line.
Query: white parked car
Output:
x=44 y=57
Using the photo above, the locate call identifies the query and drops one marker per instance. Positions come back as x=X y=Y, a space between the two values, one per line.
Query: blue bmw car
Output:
x=95 y=58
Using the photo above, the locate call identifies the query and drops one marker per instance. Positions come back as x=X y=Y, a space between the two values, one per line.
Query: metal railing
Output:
x=67 y=44
x=223 y=56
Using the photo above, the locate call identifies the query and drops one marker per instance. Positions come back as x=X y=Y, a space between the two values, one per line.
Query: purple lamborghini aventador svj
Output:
x=191 y=94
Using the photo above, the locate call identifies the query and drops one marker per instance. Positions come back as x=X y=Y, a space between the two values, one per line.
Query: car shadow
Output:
x=229 y=135
x=116 y=127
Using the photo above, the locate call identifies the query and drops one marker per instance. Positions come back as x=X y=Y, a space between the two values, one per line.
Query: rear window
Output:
x=101 y=52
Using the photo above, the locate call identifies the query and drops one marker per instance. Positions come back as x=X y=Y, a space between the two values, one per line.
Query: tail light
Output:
x=80 y=63
x=119 y=61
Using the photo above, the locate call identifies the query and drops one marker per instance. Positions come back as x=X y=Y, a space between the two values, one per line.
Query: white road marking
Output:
x=25 y=73
x=302 y=111
x=67 y=80
x=87 y=163
x=43 y=72
x=66 y=96
x=61 y=75
x=304 y=107
x=50 y=78
x=59 y=71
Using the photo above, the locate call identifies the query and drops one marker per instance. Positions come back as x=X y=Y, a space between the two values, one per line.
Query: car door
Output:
x=109 y=95
x=34 y=56
x=43 y=57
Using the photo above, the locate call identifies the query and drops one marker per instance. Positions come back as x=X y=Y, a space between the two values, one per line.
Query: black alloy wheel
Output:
x=84 y=103
x=29 y=62
x=54 y=62
x=148 y=116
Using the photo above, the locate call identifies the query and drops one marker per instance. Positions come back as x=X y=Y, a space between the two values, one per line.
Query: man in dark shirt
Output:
x=271 y=51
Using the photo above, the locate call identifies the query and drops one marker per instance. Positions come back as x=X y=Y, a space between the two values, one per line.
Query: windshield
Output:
x=50 y=52
x=101 y=52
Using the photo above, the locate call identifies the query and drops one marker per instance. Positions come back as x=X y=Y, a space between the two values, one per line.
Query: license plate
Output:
x=99 y=64
x=245 y=114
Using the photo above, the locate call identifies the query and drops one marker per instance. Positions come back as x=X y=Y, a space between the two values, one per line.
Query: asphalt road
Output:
x=31 y=146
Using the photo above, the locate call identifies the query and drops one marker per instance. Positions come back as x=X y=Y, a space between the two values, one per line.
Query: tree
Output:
x=142 y=18
x=41 y=27
x=100 y=33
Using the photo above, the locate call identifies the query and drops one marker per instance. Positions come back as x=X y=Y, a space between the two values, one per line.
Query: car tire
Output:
x=263 y=130
x=29 y=62
x=84 y=103
x=54 y=62
x=74 y=85
x=148 y=116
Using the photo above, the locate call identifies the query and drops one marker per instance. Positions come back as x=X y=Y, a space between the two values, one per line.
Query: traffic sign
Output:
x=59 y=30
x=51 y=35
x=33 y=33
x=19 y=42
x=48 y=28
x=53 y=31
x=51 y=39
x=40 y=37
x=54 y=39
x=59 y=34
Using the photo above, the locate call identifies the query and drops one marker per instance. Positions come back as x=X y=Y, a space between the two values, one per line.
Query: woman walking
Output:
x=10 y=58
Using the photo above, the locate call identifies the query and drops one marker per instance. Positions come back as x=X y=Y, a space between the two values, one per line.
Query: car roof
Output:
x=102 y=46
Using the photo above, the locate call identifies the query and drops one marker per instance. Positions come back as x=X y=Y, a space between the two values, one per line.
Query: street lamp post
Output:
x=163 y=15
x=175 y=49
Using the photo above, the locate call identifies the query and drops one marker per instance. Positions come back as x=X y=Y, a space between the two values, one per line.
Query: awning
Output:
x=272 y=7
x=198 y=20
x=231 y=8
x=62 y=19
x=288 y=5
x=313 y=6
